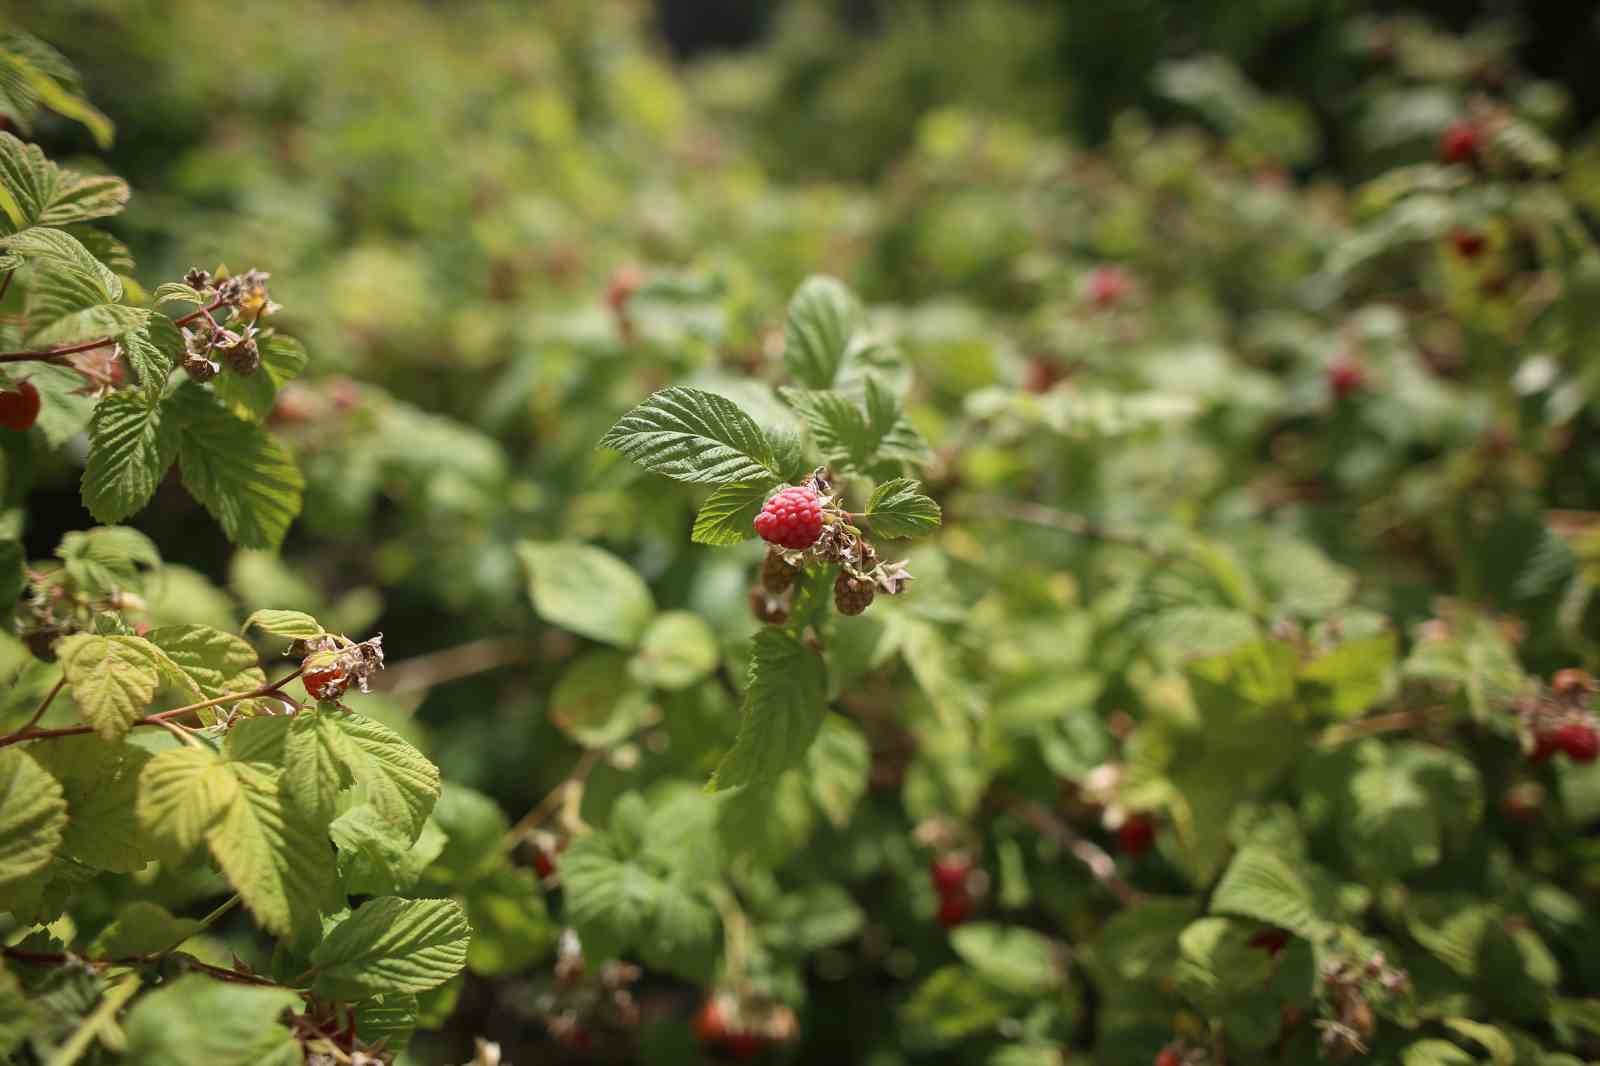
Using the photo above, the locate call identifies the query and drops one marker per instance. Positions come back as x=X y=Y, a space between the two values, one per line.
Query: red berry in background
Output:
x=744 y=1045
x=710 y=1024
x=1572 y=683
x=1168 y=1057
x=1107 y=286
x=544 y=864
x=792 y=518
x=954 y=909
x=323 y=676
x=1544 y=746
x=1469 y=244
x=625 y=281
x=1042 y=374
x=1136 y=835
x=19 y=407
x=1460 y=142
x=950 y=873
x=1579 y=740
x=1346 y=377
x=1272 y=941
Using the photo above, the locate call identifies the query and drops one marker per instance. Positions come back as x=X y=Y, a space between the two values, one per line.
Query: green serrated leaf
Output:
x=316 y=764
x=392 y=945
x=587 y=590
x=113 y=679
x=199 y=1021
x=836 y=768
x=595 y=704
x=1260 y=885
x=823 y=315
x=897 y=509
x=728 y=515
x=100 y=782
x=238 y=471
x=278 y=861
x=290 y=625
x=696 y=436
x=33 y=817
x=677 y=650
x=217 y=663
x=183 y=792
x=783 y=708
x=398 y=780
x=1009 y=957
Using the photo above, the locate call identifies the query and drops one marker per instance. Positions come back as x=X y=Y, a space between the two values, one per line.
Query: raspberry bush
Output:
x=1220 y=373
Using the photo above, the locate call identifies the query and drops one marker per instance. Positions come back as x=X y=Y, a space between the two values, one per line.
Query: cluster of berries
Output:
x=805 y=525
x=1560 y=720
x=331 y=662
x=742 y=1030
x=208 y=342
x=953 y=880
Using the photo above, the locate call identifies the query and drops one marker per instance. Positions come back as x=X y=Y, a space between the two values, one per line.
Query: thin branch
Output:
x=453 y=664
x=555 y=797
x=153 y=719
x=189 y=962
x=53 y=355
x=1395 y=722
x=1036 y=514
x=45 y=706
x=1101 y=865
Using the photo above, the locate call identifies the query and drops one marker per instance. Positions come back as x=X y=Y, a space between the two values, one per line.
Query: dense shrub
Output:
x=1171 y=643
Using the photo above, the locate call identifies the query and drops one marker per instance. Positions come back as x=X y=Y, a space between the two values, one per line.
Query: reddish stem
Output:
x=52 y=355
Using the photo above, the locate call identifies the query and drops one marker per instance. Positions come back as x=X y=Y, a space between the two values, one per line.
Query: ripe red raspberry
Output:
x=1107 y=286
x=792 y=518
x=1346 y=377
x=1168 y=1057
x=852 y=595
x=19 y=407
x=1544 y=746
x=1136 y=835
x=1460 y=142
x=949 y=873
x=1469 y=244
x=776 y=574
x=954 y=909
x=1579 y=740
x=324 y=676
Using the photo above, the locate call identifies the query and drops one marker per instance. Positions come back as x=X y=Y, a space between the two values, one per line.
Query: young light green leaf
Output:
x=238 y=471
x=1010 y=957
x=35 y=75
x=595 y=704
x=836 y=768
x=153 y=352
x=218 y=663
x=677 y=650
x=783 y=708
x=587 y=590
x=100 y=782
x=278 y=861
x=113 y=679
x=897 y=509
x=183 y=792
x=107 y=558
x=315 y=765
x=391 y=945
x=200 y=1021
x=48 y=195
x=696 y=436
x=823 y=315
x=728 y=515
x=33 y=817
x=290 y=625
x=375 y=856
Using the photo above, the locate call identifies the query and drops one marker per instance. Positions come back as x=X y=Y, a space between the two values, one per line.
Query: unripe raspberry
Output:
x=1579 y=740
x=201 y=368
x=776 y=574
x=852 y=595
x=792 y=518
x=324 y=676
x=1572 y=683
x=768 y=608
x=1136 y=835
x=244 y=358
x=19 y=407
x=1459 y=144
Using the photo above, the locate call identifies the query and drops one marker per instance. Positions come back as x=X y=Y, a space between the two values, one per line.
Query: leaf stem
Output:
x=53 y=355
x=1101 y=865
x=45 y=705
